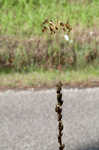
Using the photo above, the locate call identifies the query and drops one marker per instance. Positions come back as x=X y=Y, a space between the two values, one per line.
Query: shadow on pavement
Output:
x=94 y=146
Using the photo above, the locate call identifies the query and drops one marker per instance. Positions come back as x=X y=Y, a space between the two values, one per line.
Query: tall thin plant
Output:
x=58 y=109
x=54 y=27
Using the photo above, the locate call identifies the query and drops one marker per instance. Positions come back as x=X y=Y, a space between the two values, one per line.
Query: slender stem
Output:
x=58 y=109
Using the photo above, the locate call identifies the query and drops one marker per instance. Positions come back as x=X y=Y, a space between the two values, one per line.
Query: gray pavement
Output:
x=28 y=120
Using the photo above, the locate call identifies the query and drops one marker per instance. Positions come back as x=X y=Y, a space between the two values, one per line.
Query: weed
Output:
x=20 y=30
x=58 y=109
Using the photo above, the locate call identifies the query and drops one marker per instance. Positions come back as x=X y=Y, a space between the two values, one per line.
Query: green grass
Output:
x=20 y=21
x=25 y=17
x=49 y=78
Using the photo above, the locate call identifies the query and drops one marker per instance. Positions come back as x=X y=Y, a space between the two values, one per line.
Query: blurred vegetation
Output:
x=23 y=47
x=24 y=17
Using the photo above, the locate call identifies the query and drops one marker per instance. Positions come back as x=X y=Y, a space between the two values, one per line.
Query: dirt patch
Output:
x=66 y=85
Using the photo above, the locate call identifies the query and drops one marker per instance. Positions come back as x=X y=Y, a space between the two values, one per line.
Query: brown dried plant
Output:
x=58 y=109
x=91 y=56
x=53 y=27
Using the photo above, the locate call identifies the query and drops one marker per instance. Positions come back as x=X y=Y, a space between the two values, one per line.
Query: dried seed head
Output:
x=60 y=134
x=64 y=29
x=51 y=28
x=67 y=25
x=62 y=147
x=60 y=102
x=45 y=21
x=61 y=24
x=60 y=126
x=59 y=84
x=51 y=23
x=59 y=117
x=59 y=139
x=58 y=89
x=56 y=27
x=58 y=108
x=59 y=97
x=44 y=29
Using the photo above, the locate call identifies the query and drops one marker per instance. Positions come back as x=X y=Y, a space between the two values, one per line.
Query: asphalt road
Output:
x=28 y=120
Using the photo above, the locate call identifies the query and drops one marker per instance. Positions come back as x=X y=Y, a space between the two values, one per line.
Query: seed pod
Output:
x=62 y=147
x=45 y=21
x=59 y=139
x=56 y=27
x=60 y=103
x=64 y=29
x=59 y=96
x=51 y=28
x=51 y=23
x=58 y=89
x=68 y=26
x=60 y=126
x=61 y=24
x=59 y=117
x=44 y=29
x=60 y=133
x=58 y=108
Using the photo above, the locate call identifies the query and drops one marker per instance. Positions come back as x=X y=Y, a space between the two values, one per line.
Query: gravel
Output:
x=28 y=120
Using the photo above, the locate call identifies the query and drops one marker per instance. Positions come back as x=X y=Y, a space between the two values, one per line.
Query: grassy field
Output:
x=47 y=79
x=23 y=17
x=29 y=57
